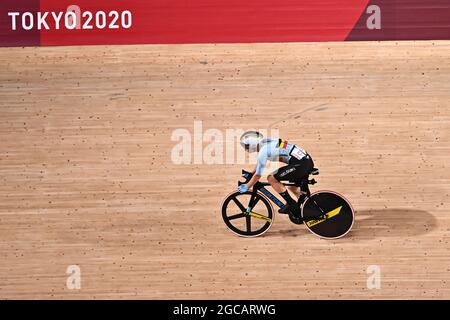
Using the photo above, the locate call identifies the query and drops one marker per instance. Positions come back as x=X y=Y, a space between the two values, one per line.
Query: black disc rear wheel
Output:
x=247 y=214
x=338 y=215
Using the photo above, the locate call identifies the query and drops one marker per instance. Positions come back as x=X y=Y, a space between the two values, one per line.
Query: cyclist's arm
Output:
x=255 y=178
x=257 y=172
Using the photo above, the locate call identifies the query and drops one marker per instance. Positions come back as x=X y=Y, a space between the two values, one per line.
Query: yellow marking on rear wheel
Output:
x=329 y=215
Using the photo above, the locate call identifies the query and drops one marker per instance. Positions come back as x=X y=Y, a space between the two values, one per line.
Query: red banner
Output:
x=209 y=21
x=63 y=22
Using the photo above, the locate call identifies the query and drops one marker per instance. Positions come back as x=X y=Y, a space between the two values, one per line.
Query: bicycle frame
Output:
x=270 y=195
x=260 y=186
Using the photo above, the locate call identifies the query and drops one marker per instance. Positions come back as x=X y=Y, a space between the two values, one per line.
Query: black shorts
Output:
x=295 y=171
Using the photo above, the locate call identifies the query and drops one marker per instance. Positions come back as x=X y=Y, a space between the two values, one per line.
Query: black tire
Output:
x=340 y=214
x=234 y=214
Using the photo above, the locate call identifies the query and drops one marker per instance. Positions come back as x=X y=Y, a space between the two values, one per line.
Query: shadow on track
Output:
x=378 y=223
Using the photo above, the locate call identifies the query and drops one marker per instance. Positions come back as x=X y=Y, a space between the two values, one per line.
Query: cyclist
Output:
x=299 y=164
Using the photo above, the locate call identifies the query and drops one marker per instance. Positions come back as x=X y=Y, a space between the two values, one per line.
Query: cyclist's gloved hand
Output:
x=243 y=188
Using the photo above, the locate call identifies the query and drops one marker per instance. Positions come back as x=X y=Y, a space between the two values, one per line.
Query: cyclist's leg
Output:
x=298 y=171
x=275 y=178
x=276 y=185
x=295 y=190
x=304 y=167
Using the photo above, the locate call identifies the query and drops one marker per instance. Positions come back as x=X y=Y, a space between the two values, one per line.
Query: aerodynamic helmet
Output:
x=250 y=140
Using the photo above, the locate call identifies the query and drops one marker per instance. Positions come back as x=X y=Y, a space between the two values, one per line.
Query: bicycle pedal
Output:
x=297 y=219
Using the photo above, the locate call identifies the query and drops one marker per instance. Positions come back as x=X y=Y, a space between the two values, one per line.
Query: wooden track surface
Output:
x=87 y=177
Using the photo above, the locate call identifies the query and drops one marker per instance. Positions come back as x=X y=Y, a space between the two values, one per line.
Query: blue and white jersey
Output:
x=277 y=150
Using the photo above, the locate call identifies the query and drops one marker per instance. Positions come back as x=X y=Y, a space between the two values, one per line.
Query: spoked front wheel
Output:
x=337 y=212
x=247 y=214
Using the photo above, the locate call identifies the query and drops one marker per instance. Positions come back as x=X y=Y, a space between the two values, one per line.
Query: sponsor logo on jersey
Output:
x=287 y=172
